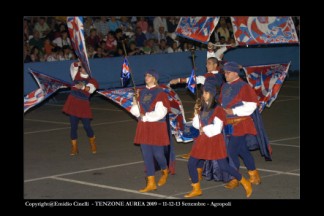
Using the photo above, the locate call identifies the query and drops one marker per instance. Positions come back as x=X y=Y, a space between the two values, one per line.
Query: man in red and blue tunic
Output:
x=239 y=101
x=212 y=74
x=150 y=106
x=77 y=106
x=210 y=144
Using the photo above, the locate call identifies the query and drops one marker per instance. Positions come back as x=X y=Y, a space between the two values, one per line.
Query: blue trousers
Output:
x=151 y=152
x=237 y=147
x=74 y=127
x=195 y=163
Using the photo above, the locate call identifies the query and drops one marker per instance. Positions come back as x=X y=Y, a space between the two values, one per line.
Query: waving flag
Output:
x=266 y=80
x=264 y=30
x=47 y=86
x=124 y=98
x=76 y=31
x=192 y=81
x=125 y=74
x=33 y=98
x=197 y=28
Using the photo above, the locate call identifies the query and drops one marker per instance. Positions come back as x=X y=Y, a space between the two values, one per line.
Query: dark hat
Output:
x=231 y=66
x=210 y=85
x=153 y=73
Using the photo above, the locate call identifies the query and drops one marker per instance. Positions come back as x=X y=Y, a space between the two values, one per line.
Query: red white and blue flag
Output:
x=125 y=73
x=47 y=86
x=124 y=98
x=33 y=98
x=266 y=80
x=197 y=28
x=263 y=30
x=76 y=31
x=192 y=81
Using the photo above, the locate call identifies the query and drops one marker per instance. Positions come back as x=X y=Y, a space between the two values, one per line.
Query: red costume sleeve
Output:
x=220 y=113
x=164 y=98
x=248 y=94
x=94 y=82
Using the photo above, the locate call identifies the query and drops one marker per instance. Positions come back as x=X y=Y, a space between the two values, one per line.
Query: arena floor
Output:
x=117 y=170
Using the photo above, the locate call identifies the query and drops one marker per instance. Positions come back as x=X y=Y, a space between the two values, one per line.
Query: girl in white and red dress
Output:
x=151 y=108
x=78 y=105
x=210 y=144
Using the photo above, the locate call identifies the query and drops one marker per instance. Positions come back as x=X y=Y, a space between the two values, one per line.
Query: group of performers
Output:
x=222 y=115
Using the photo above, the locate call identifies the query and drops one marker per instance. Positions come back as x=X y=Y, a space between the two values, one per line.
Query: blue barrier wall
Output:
x=169 y=66
x=268 y=55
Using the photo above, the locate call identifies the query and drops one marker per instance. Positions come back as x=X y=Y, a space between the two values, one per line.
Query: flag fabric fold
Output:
x=76 y=31
x=125 y=73
x=47 y=86
x=33 y=98
x=197 y=28
x=192 y=81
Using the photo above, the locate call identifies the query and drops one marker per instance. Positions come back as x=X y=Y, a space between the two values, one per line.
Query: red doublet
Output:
x=79 y=107
x=153 y=133
x=206 y=75
x=245 y=126
x=210 y=148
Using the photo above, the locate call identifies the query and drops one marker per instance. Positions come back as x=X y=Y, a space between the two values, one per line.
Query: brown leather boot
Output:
x=247 y=186
x=150 y=184
x=92 y=141
x=74 y=149
x=196 y=191
x=232 y=184
x=164 y=177
x=254 y=177
x=185 y=156
x=200 y=171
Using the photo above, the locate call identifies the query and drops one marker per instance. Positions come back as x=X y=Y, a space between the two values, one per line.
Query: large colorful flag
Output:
x=263 y=30
x=266 y=80
x=47 y=86
x=124 y=98
x=192 y=81
x=197 y=28
x=76 y=31
x=125 y=73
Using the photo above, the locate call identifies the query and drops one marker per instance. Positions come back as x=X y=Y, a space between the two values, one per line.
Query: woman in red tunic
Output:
x=151 y=108
x=210 y=144
x=78 y=106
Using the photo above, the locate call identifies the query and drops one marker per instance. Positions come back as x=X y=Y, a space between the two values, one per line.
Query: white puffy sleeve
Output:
x=246 y=109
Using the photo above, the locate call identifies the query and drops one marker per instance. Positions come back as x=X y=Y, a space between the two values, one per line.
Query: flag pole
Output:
x=197 y=95
x=130 y=71
x=194 y=66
